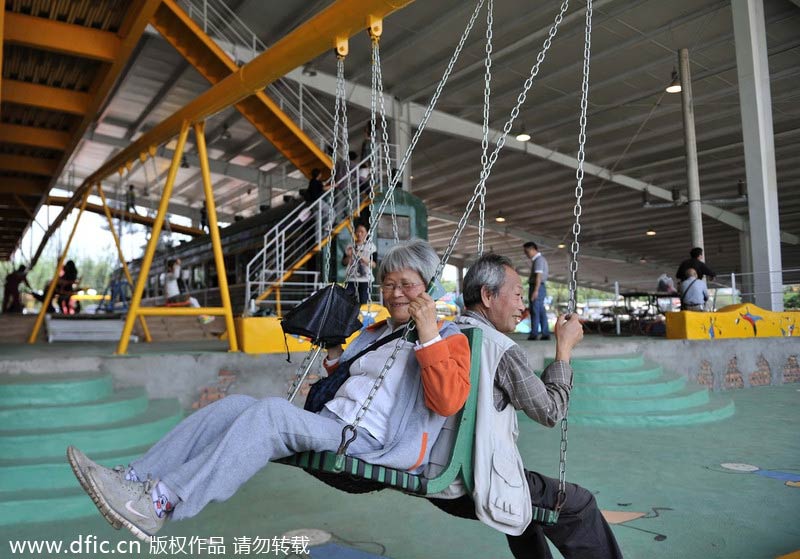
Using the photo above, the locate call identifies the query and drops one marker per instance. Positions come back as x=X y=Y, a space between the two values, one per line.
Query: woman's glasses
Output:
x=404 y=287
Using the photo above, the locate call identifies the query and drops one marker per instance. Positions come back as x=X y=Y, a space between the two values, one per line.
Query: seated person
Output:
x=694 y=292
x=175 y=295
x=211 y=453
x=66 y=287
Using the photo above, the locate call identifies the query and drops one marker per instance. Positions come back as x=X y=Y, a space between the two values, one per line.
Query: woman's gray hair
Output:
x=414 y=255
x=490 y=271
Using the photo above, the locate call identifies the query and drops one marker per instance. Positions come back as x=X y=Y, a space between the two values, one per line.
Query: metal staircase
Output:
x=293 y=121
x=275 y=279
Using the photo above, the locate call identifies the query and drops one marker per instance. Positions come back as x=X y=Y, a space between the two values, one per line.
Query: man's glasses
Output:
x=404 y=287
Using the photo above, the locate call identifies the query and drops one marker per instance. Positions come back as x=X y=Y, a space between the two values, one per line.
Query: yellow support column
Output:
x=136 y=300
x=145 y=330
x=216 y=244
x=52 y=287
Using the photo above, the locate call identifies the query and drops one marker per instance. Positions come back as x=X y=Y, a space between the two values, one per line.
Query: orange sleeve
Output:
x=444 y=367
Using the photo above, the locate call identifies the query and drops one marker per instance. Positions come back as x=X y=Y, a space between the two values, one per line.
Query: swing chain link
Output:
x=387 y=158
x=337 y=113
x=300 y=372
x=502 y=139
x=576 y=229
x=487 y=92
x=427 y=115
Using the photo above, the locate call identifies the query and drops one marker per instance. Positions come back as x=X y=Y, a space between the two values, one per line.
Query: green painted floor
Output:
x=691 y=507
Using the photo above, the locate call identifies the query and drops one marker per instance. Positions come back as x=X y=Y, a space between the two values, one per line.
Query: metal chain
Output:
x=427 y=115
x=387 y=158
x=502 y=139
x=337 y=115
x=487 y=91
x=306 y=364
x=576 y=229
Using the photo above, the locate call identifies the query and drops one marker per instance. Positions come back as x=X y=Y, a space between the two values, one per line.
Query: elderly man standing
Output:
x=537 y=291
x=504 y=492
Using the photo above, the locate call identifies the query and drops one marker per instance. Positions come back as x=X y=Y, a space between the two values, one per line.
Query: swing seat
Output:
x=359 y=476
x=185 y=303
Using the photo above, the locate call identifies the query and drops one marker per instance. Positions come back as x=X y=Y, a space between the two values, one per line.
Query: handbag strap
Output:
x=686 y=291
x=375 y=345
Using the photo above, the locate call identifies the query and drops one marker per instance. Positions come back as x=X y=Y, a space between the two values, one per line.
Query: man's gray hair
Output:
x=414 y=255
x=489 y=271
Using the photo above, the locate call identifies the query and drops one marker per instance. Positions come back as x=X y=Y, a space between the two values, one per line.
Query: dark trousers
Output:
x=359 y=289
x=580 y=533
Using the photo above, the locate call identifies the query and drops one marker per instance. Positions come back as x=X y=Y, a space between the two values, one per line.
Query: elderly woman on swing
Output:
x=211 y=453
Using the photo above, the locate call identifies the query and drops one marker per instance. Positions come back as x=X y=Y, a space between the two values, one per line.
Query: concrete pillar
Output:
x=690 y=143
x=759 y=149
x=744 y=282
x=402 y=134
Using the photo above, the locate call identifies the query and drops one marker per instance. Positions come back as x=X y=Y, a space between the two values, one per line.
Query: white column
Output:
x=744 y=283
x=690 y=144
x=402 y=137
x=759 y=150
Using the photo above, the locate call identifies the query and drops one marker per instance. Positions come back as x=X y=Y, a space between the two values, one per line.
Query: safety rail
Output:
x=737 y=287
x=290 y=293
x=242 y=45
x=302 y=233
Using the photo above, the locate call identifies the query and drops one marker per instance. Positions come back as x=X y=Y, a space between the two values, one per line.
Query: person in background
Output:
x=697 y=262
x=694 y=292
x=358 y=275
x=12 y=303
x=174 y=294
x=537 y=292
x=66 y=287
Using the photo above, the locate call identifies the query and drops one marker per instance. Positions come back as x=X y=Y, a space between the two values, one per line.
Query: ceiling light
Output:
x=643 y=260
x=675 y=84
x=562 y=245
x=523 y=137
x=651 y=232
x=309 y=70
x=500 y=218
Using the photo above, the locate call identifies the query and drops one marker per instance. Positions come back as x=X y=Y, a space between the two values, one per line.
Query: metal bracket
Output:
x=375 y=27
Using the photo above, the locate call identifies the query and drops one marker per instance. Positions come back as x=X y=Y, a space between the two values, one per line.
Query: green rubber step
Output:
x=161 y=415
x=55 y=473
x=45 y=506
x=65 y=388
x=667 y=384
x=605 y=363
x=716 y=410
x=687 y=398
x=119 y=406
x=647 y=372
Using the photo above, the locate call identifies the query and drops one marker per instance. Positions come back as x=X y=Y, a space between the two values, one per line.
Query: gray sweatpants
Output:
x=211 y=453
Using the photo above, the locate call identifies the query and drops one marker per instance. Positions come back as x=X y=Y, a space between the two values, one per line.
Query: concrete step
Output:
x=45 y=506
x=667 y=384
x=717 y=409
x=55 y=389
x=687 y=398
x=628 y=362
x=119 y=406
x=646 y=373
x=160 y=416
x=55 y=473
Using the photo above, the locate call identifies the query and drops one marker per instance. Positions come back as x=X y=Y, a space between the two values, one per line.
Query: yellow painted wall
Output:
x=264 y=334
x=734 y=321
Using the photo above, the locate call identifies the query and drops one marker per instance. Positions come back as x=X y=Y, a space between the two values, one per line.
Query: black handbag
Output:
x=325 y=389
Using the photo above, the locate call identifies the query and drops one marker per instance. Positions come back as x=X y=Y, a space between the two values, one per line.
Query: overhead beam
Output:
x=24 y=187
x=66 y=38
x=127 y=216
x=46 y=97
x=33 y=136
x=455 y=126
x=28 y=164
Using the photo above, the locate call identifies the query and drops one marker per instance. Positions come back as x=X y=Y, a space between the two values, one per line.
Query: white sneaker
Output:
x=81 y=464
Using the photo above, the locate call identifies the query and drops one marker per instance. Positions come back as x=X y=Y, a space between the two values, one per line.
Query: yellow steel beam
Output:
x=147 y=260
x=145 y=329
x=22 y=186
x=127 y=216
x=45 y=97
x=52 y=287
x=66 y=38
x=32 y=136
x=342 y=19
x=216 y=244
x=28 y=164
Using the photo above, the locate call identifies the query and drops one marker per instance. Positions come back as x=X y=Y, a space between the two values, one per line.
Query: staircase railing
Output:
x=297 y=238
x=242 y=45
